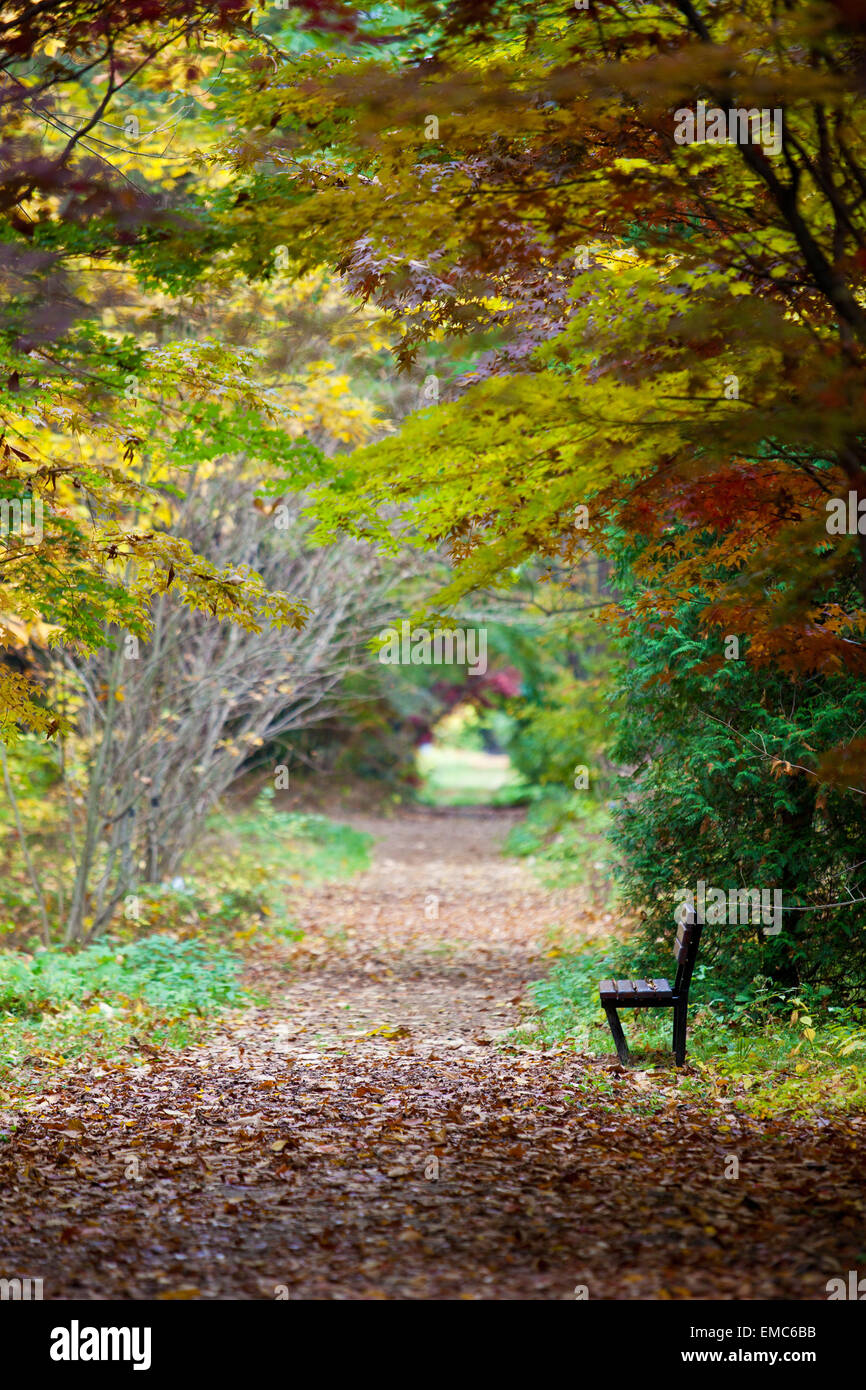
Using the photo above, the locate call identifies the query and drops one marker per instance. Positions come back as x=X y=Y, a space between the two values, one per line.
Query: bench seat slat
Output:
x=636 y=993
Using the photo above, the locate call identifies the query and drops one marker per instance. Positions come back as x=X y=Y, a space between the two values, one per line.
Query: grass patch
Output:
x=56 y=1005
x=564 y=837
x=269 y=845
x=467 y=777
x=174 y=962
x=235 y=883
x=266 y=855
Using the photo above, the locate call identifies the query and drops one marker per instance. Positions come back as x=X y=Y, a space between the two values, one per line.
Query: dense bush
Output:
x=721 y=792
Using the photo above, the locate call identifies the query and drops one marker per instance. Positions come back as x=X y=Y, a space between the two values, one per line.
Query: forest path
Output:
x=371 y=1134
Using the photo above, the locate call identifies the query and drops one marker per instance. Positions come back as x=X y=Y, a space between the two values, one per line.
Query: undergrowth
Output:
x=765 y=1050
x=56 y=1005
x=174 y=956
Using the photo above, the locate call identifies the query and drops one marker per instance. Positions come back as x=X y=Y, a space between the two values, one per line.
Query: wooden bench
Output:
x=657 y=994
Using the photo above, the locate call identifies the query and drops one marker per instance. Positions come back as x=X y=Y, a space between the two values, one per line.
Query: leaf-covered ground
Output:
x=372 y=1134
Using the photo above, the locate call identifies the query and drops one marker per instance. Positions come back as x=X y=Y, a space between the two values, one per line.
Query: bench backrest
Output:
x=686 y=949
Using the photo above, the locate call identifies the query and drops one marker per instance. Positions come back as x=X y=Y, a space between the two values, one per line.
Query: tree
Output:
x=169 y=724
x=158 y=724
x=665 y=335
x=722 y=788
x=100 y=209
x=684 y=318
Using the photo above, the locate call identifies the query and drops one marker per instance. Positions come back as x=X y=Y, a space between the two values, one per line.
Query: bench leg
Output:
x=618 y=1035
x=680 y=1017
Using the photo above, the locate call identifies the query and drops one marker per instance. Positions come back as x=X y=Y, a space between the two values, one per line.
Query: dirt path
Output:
x=368 y=1135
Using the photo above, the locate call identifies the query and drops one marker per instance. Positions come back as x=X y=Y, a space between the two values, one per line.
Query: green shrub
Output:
x=172 y=977
x=717 y=793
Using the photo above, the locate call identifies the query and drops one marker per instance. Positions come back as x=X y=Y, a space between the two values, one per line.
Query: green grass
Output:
x=55 y=1004
x=563 y=834
x=162 y=975
x=283 y=845
x=466 y=777
x=266 y=855
x=234 y=882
